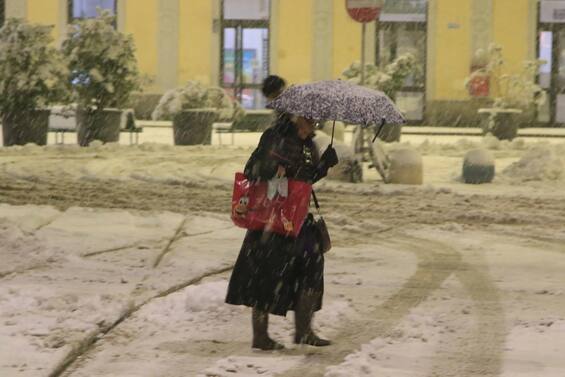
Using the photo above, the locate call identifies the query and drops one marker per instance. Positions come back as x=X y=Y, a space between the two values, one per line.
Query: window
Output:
x=245 y=50
x=88 y=8
x=402 y=29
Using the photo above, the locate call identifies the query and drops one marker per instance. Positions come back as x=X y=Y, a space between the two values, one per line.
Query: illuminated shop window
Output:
x=245 y=50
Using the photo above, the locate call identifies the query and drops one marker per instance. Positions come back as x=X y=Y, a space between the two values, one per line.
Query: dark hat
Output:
x=273 y=85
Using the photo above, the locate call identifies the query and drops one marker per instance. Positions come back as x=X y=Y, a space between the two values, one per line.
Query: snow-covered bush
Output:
x=32 y=73
x=509 y=90
x=388 y=79
x=102 y=63
x=195 y=95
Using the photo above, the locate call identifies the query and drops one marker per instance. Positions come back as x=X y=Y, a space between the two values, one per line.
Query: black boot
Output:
x=304 y=311
x=261 y=339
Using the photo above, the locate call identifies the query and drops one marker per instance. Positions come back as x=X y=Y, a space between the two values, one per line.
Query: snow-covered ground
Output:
x=115 y=262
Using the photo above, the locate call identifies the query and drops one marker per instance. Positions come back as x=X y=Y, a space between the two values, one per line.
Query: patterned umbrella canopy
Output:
x=340 y=101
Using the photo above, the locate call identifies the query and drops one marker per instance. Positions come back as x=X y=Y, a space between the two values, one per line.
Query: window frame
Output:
x=393 y=26
x=553 y=90
x=71 y=6
x=239 y=25
x=417 y=26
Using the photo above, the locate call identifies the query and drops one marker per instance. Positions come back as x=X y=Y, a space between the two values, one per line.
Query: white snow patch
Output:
x=251 y=366
x=531 y=342
x=206 y=297
x=538 y=164
x=479 y=157
x=28 y=218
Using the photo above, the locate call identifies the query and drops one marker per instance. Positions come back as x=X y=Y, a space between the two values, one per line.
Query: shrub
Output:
x=195 y=95
x=32 y=72
x=102 y=63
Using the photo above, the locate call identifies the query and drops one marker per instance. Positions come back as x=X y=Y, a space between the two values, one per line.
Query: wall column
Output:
x=167 y=44
x=481 y=21
x=16 y=9
x=216 y=43
x=274 y=37
x=62 y=21
x=121 y=15
x=532 y=30
x=431 y=50
x=322 y=40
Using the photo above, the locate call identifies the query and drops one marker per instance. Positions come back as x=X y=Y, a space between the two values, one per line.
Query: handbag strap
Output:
x=316 y=203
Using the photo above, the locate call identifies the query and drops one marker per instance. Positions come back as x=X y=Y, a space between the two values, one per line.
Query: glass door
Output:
x=245 y=64
x=402 y=29
x=245 y=50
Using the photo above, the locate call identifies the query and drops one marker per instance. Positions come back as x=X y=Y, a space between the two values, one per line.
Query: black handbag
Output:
x=320 y=228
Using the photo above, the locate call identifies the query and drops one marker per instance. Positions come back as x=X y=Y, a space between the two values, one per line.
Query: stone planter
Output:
x=193 y=127
x=501 y=123
x=98 y=125
x=391 y=133
x=25 y=127
x=478 y=167
x=406 y=167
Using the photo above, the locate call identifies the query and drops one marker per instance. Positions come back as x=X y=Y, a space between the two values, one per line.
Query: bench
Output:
x=221 y=128
x=62 y=120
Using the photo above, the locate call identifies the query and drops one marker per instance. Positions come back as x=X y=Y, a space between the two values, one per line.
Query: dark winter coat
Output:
x=280 y=145
x=271 y=269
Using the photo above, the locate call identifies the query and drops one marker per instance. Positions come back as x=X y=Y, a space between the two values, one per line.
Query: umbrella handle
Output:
x=333 y=130
x=379 y=130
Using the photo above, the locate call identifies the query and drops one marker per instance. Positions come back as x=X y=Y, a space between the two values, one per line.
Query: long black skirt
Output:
x=272 y=270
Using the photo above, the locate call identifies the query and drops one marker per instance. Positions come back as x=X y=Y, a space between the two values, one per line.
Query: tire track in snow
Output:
x=480 y=351
x=550 y=244
x=435 y=264
x=179 y=234
x=170 y=242
x=85 y=345
x=6 y=274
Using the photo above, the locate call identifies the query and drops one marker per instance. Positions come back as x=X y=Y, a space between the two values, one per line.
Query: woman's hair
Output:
x=273 y=85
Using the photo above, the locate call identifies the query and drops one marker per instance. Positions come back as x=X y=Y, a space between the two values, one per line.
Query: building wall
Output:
x=294 y=45
x=513 y=33
x=141 y=22
x=346 y=40
x=45 y=12
x=300 y=33
x=451 y=58
x=195 y=42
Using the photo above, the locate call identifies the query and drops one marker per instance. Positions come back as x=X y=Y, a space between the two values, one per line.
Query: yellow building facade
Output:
x=307 y=40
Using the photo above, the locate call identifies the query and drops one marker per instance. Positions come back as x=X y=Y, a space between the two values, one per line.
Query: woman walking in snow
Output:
x=276 y=273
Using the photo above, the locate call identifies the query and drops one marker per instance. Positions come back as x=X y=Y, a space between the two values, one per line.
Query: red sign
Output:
x=479 y=86
x=363 y=10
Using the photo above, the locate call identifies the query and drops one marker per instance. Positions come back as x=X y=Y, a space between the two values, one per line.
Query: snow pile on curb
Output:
x=463 y=145
x=538 y=164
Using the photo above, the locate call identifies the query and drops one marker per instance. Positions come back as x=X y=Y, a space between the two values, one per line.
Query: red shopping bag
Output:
x=252 y=209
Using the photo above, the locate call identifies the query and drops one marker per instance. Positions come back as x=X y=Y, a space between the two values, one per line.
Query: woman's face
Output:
x=305 y=127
